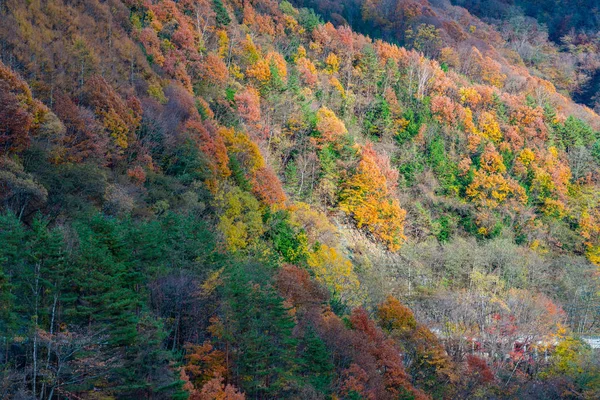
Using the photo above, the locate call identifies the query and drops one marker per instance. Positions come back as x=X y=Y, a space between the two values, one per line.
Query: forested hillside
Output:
x=227 y=199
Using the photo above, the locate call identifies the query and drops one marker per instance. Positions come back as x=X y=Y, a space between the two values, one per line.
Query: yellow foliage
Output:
x=333 y=270
x=246 y=150
x=236 y=71
x=469 y=124
x=488 y=190
x=223 y=42
x=301 y=53
x=333 y=63
x=469 y=96
x=241 y=219
x=155 y=91
x=338 y=86
x=489 y=127
x=554 y=208
x=291 y=23
x=117 y=128
x=250 y=50
x=593 y=254
x=527 y=156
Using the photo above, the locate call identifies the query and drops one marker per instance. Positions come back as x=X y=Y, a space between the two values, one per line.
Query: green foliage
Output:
x=238 y=175
x=316 y=363
x=596 y=151
x=415 y=121
x=575 y=132
x=410 y=170
x=288 y=241
x=328 y=157
x=186 y=162
x=230 y=94
x=444 y=169
x=261 y=330
x=222 y=15
x=308 y=19
x=378 y=118
x=445 y=230
x=287 y=8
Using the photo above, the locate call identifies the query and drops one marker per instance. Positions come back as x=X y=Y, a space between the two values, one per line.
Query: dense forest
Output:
x=262 y=199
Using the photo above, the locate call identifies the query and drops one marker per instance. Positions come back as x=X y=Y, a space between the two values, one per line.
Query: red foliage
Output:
x=479 y=369
x=267 y=187
x=83 y=136
x=376 y=370
x=15 y=122
x=248 y=104
x=296 y=286
x=137 y=174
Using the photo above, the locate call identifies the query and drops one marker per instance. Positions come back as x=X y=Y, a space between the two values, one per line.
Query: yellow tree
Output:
x=241 y=218
x=489 y=127
x=334 y=271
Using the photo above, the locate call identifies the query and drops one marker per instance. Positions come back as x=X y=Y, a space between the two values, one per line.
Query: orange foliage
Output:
x=204 y=362
x=390 y=173
x=365 y=196
x=444 y=109
x=491 y=161
x=329 y=126
x=214 y=69
x=210 y=144
x=395 y=317
x=261 y=71
x=277 y=60
x=137 y=174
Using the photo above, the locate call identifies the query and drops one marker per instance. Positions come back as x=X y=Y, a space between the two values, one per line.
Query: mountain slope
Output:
x=227 y=199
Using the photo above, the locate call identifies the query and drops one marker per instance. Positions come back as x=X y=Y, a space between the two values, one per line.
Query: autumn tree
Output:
x=365 y=196
x=334 y=271
x=425 y=356
x=20 y=113
x=119 y=117
x=241 y=219
x=329 y=126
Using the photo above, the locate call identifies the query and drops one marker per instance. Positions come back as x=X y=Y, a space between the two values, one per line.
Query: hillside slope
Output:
x=233 y=199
